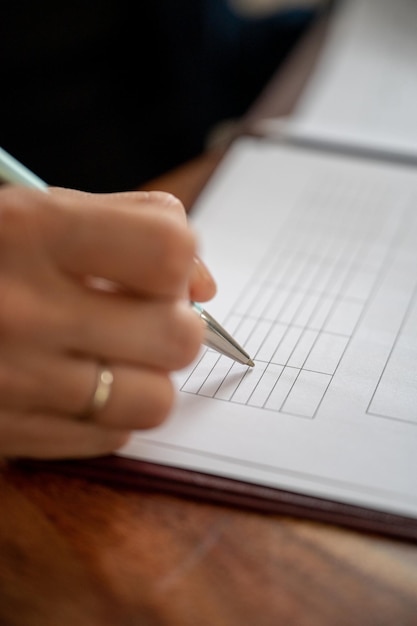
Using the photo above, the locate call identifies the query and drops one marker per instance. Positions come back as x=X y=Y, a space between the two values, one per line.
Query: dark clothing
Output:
x=103 y=95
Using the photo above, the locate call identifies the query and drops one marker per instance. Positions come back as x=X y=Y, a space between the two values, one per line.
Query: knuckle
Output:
x=165 y=199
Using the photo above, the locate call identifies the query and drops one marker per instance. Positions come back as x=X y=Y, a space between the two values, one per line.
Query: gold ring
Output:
x=102 y=391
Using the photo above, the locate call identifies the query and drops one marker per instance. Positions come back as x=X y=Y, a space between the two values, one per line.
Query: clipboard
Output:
x=135 y=474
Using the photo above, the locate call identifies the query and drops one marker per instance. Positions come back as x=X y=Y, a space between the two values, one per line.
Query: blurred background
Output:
x=104 y=95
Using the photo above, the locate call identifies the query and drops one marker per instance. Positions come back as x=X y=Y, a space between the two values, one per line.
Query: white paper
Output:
x=363 y=91
x=316 y=262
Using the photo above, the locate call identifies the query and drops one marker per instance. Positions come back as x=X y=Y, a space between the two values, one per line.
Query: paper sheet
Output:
x=316 y=262
x=363 y=91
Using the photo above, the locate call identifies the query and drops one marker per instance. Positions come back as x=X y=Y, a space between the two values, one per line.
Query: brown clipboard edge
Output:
x=132 y=473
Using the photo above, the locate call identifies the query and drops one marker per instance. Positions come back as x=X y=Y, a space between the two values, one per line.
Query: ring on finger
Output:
x=102 y=391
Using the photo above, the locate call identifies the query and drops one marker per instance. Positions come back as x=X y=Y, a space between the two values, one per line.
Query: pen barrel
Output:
x=12 y=171
x=217 y=338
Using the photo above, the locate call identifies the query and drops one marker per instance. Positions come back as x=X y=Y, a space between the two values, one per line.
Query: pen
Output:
x=216 y=337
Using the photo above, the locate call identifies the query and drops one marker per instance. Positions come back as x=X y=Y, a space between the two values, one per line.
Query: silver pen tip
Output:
x=219 y=339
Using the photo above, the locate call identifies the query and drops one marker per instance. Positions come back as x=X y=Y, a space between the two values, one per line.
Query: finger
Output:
x=165 y=334
x=202 y=284
x=55 y=436
x=38 y=381
x=135 y=200
x=140 y=241
x=162 y=333
x=148 y=250
x=140 y=398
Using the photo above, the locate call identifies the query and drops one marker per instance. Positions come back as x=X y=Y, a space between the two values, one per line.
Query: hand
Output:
x=88 y=279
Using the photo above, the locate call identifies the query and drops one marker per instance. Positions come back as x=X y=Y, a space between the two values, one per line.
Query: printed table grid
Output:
x=300 y=309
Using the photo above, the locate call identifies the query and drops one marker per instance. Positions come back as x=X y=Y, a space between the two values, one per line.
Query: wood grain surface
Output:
x=78 y=552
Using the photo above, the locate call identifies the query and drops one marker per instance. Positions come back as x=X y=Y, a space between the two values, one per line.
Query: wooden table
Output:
x=76 y=552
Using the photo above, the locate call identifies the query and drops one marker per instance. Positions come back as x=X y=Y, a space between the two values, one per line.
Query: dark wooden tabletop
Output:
x=75 y=552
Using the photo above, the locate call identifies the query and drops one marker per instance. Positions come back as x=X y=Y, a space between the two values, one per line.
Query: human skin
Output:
x=87 y=279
